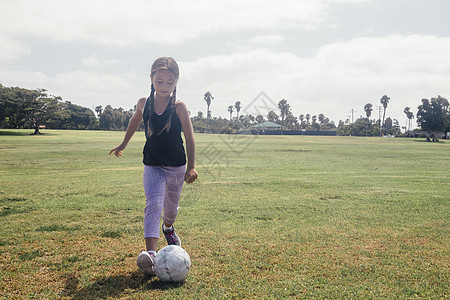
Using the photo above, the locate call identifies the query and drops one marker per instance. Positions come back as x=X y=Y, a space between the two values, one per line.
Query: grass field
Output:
x=269 y=217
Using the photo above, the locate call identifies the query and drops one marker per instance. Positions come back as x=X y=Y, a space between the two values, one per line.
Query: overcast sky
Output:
x=322 y=56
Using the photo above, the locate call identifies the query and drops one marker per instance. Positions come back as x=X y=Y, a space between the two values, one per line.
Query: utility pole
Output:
x=379 y=117
x=353 y=111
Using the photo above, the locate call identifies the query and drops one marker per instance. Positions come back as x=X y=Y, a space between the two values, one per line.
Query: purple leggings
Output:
x=162 y=186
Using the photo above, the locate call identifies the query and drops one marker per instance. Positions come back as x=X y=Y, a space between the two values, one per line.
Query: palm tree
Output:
x=208 y=97
x=308 y=116
x=368 y=110
x=385 y=101
x=409 y=117
x=321 y=118
x=237 y=105
x=259 y=119
x=230 y=110
x=99 y=110
x=406 y=111
x=272 y=116
x=285 y=110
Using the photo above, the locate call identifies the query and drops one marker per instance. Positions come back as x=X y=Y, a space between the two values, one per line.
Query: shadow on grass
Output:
x=114 y=286
x=21 y=132
x=15 y=133
x=431 y=142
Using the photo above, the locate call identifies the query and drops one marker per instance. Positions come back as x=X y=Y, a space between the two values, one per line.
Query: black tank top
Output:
x=165 y=148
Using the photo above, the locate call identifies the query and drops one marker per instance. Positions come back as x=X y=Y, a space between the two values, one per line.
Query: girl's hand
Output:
x=190 y=175
x=117 y=150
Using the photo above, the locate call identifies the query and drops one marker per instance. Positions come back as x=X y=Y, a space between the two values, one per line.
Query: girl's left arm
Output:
x=183 y=114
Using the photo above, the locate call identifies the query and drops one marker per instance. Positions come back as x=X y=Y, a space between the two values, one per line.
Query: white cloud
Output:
x=125 y=23
x=25 y=79
x=86 y=88
x=11 y=49
x=94 y=62
x=266 y=40
x=339 y=77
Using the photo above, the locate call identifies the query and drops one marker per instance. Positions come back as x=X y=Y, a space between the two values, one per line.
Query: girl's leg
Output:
x=174 y=185
x=155 y=191
x=151 y=243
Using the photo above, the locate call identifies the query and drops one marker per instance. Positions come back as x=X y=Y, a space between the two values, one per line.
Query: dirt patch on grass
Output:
x=221 y=182
x=118 y=169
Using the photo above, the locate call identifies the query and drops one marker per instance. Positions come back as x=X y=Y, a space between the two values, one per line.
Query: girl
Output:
x=165 y=166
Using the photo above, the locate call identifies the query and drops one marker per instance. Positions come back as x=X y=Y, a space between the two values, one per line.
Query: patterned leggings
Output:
x=162 y=186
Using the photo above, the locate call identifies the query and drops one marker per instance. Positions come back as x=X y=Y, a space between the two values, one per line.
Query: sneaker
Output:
x=145 y=262
x=171 y=237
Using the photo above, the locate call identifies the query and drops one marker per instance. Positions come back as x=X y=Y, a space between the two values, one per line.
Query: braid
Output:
x=174 y=97
x=152 y=104
x=172 y=110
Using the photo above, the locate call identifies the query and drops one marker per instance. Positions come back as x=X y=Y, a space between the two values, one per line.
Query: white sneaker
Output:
x=145 y=262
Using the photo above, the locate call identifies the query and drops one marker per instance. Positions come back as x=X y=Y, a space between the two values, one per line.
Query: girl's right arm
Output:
x=135 y=121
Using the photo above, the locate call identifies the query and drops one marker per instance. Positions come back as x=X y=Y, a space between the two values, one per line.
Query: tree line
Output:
x=283 y=117
x=24 y=108
x=432 y=116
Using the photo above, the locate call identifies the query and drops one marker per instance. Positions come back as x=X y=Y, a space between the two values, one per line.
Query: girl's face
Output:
x=164 y=83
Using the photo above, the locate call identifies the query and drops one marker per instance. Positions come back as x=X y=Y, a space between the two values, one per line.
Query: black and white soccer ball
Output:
x=172 y=263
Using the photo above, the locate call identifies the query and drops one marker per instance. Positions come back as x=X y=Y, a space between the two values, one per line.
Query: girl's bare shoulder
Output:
x=180 y=105
x=181 y=109
x=140 y=104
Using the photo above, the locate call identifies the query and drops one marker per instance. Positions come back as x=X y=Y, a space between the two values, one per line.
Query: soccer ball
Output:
x=172 y=263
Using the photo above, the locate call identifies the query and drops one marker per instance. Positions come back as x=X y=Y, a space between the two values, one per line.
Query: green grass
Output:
x=269 y=217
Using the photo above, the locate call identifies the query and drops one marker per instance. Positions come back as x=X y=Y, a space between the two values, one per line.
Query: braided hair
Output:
x=163 y=63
